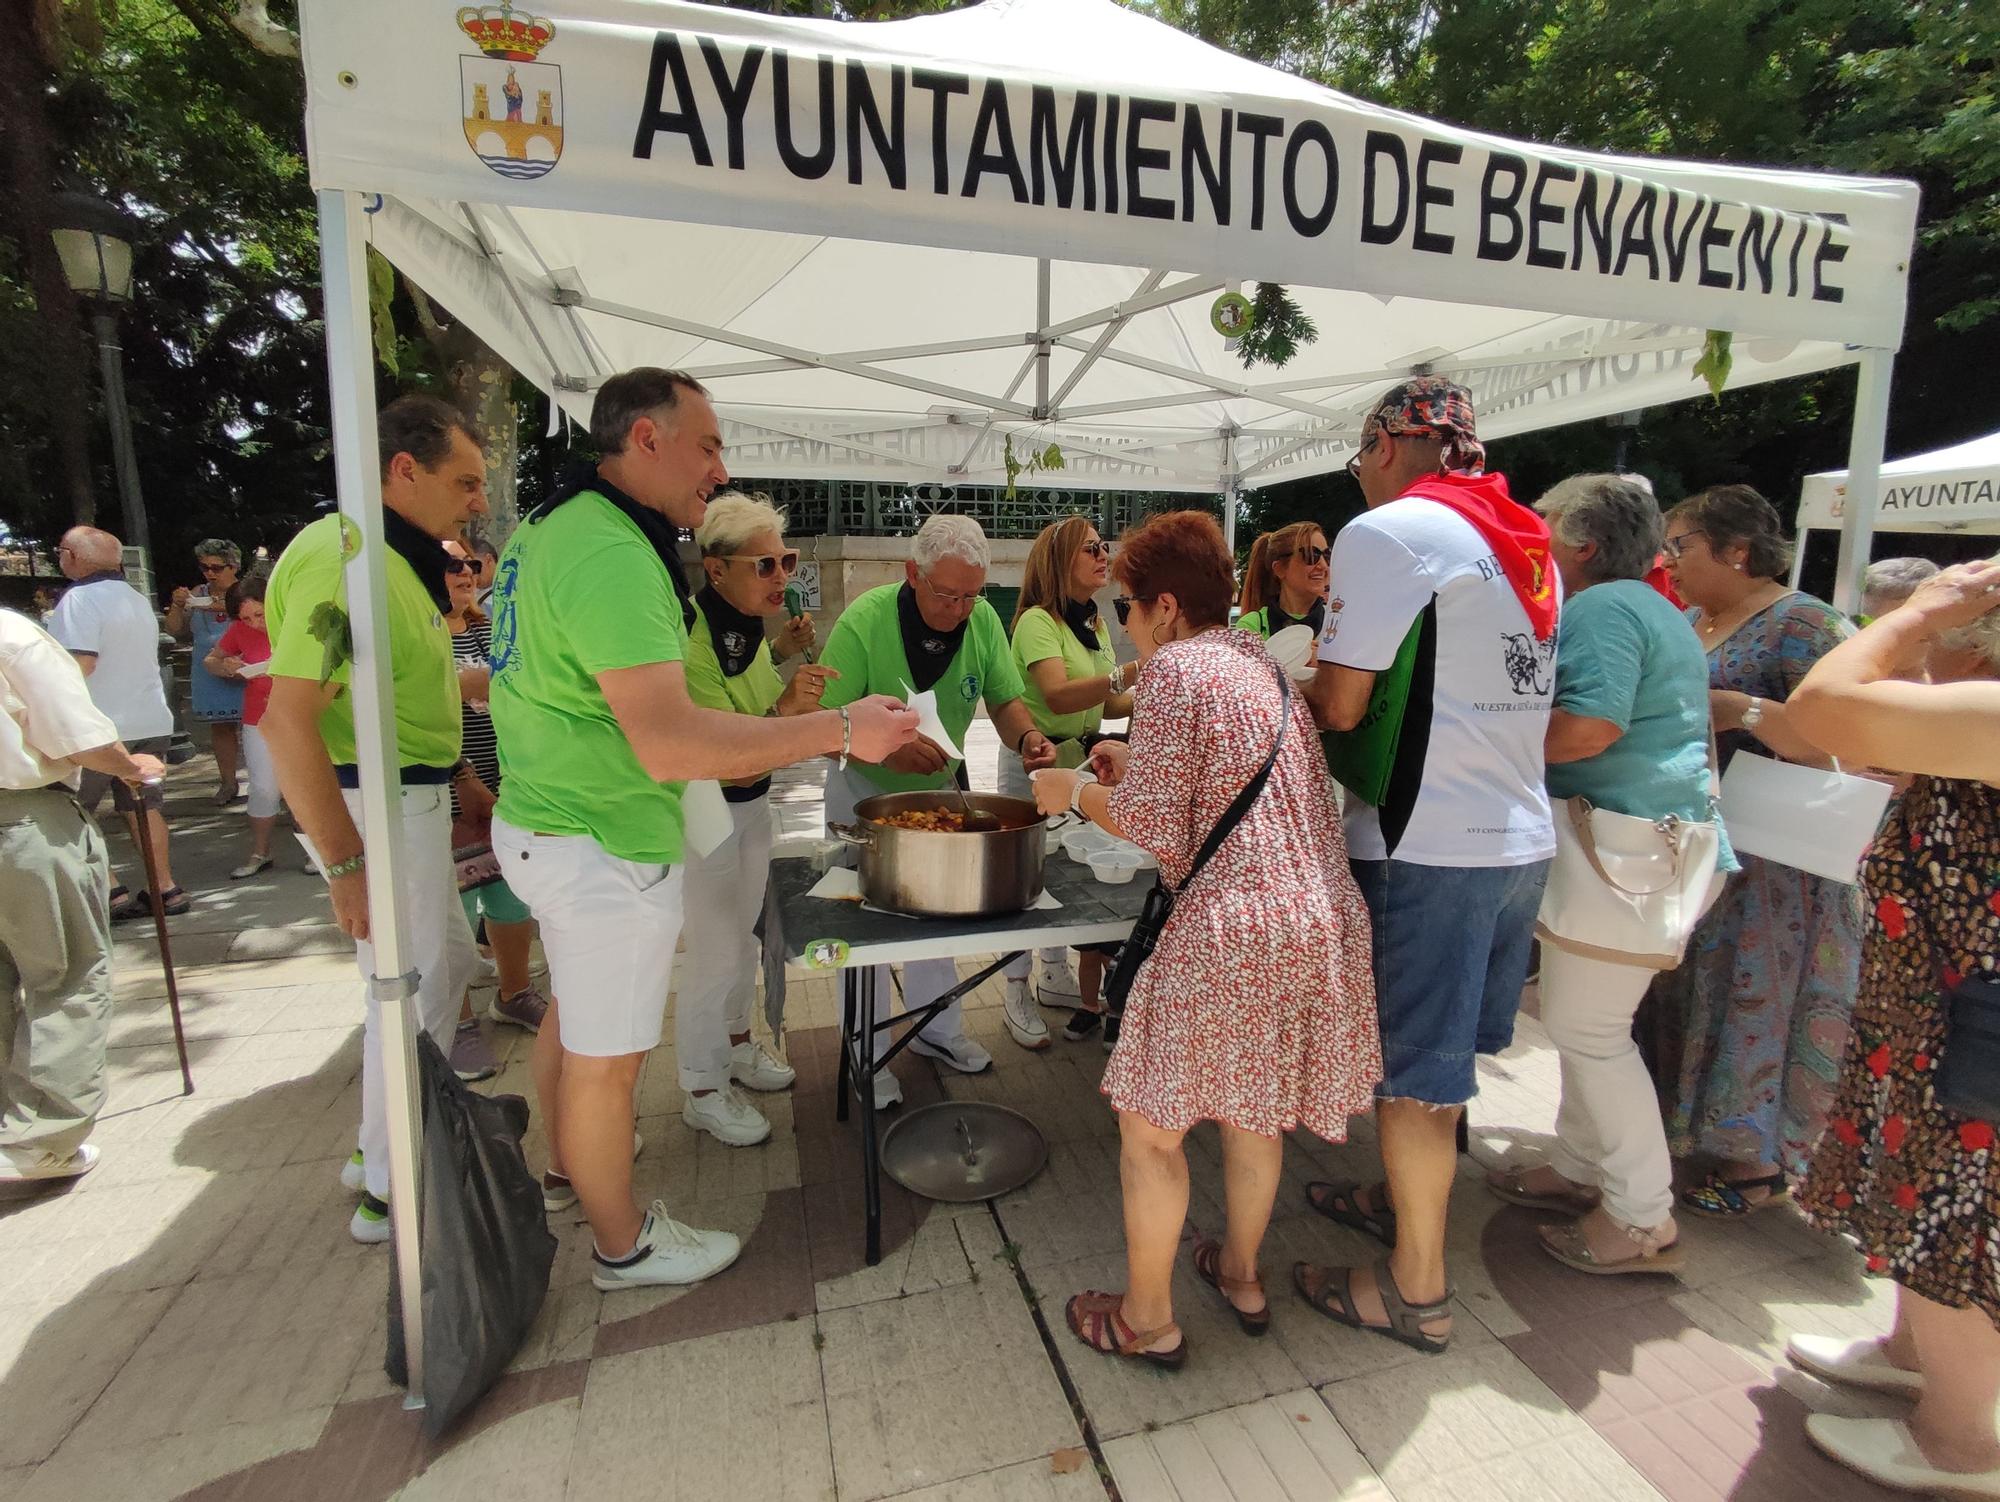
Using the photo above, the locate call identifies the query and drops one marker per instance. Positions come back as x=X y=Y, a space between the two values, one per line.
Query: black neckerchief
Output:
x=423 y=552
x=661 y=533
x=929 y=650
x=736 y=635
x=1275 y=619
x=1082 y=618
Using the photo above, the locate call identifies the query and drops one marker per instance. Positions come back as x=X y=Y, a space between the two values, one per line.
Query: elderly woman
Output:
x=730 y=666
x=218 y=699
x=1284 y=582
x=1629 y=732
x=1889 y=584
x=1910 y=1170
x=1748 y=1032
x=1071 y=680
x=1257 y=1008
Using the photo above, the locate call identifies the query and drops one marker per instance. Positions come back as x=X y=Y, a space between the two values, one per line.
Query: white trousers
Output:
x=724 y=896
x=437 y=944
x=1608 y=1129
x=263 y=775
x=924 y=981
x=1014 y=783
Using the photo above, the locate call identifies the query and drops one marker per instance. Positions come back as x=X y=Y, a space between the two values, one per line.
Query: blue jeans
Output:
x=1451 y=956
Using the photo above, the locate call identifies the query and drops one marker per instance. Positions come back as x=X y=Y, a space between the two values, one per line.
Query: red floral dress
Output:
x=1916 y=1185
x=1258 y=1006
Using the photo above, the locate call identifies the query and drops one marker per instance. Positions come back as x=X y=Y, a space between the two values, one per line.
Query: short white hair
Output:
x=946 y=536
x=735 y=517
x=1894 y=580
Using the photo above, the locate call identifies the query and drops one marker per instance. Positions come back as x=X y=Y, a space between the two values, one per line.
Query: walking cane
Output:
x=145 y=835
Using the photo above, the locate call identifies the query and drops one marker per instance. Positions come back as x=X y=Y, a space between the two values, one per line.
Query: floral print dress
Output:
x=1746 y=1036
x=1916 y=1185
x=1257 y=1008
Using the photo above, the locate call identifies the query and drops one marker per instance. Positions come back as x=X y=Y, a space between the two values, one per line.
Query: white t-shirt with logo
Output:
x=111 y=619
x=1468 y=785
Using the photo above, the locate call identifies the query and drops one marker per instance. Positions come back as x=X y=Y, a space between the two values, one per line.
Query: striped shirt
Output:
x=482 y=747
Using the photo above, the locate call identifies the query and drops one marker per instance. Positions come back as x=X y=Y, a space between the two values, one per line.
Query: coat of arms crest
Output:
x=515 y=137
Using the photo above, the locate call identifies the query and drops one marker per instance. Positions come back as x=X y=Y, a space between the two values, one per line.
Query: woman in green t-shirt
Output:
x=1072 y=680
x=1284 y=583
x=729 y=666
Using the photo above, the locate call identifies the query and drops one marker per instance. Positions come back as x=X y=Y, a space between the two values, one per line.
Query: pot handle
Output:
x=851 y=834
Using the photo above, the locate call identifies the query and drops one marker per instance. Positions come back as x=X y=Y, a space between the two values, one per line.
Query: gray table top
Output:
x=823 y=934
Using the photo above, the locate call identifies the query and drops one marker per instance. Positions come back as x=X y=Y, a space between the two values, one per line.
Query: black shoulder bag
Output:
x=1145 y=936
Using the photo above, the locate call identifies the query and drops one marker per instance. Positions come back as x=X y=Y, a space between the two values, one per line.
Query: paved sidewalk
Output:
x=192 y=1321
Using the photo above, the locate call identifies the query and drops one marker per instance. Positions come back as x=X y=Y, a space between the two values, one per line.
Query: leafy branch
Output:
x=1279 y=329
x=1038 y=461
x=1715 y=361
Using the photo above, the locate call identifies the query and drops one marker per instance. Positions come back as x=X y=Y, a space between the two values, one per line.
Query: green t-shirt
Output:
x=578 y=593
x=866 y=648
x=1039 y=636
x=752 y=691
x=426 y=678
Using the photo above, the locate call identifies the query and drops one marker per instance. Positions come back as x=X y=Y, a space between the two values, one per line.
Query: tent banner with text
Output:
x=1072 y=129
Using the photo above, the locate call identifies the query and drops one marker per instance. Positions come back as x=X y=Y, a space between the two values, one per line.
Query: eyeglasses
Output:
x=212 y=569
x=1098 y=549
x=1123 y=605
x=1354 y=464
x=768 y=565
x=456 y=566
x=945 y=597
x=1311 y=556
x=1673 y=547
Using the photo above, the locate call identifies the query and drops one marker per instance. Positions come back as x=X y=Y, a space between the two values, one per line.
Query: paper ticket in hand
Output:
x=928 y=723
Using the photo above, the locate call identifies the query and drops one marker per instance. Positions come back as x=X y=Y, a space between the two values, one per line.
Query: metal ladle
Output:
x=977 y=820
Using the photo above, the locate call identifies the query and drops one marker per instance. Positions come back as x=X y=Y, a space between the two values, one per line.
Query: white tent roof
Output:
x=1954 y=489
x=881 y=280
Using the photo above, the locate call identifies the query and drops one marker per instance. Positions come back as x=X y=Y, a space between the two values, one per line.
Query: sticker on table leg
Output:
x=826 y=954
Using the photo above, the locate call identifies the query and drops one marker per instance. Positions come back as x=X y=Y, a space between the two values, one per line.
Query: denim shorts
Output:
x=1451 y=956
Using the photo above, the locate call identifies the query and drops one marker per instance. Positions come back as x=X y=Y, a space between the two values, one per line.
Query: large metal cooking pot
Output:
x=935 y=874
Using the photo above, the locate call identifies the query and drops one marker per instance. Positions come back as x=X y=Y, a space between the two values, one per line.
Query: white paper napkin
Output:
x=705 y=821
x=928 y=723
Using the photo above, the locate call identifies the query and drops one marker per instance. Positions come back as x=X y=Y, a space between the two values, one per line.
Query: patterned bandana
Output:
x=1433 y=406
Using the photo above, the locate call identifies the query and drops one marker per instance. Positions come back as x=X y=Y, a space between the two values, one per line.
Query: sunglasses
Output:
x=769 y=565
x=1097 y=549
x=1123 y=605
x=1311 y=556
x=456 y=566
x=1673 y=547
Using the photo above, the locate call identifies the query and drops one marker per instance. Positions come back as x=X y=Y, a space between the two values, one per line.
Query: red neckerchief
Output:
x=1518 y=537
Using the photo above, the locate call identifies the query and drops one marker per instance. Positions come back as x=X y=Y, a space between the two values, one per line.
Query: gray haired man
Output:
x=934 y=631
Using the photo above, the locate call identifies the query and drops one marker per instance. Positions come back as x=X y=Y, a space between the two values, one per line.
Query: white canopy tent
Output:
x=1954 y=489
x=894 y=250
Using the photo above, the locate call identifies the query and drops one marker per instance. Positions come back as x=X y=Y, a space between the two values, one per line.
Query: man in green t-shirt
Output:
x=598 y=737
x=933 y=631
x=433 y=479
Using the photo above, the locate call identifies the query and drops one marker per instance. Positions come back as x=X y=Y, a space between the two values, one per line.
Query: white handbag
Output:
x=1628 y=890
x=1812 y=820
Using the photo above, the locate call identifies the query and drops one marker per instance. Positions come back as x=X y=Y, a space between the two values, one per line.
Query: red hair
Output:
x=1179 y=553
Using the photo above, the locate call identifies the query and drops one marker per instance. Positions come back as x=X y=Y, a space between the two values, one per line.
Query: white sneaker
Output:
x=888 y=1090
x=1857 y=1363
x=961 y=1053
x=29 y=1166
x=370 y=1222
x=1055 y=978
x=725 y=1116
x=1885 y=1452
x=353 y=1177
x=674 y=1254
x=752 y=1066
x=1024 y=1018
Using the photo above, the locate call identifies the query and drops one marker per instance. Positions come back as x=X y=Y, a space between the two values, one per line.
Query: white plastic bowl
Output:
x=1081 y=843
x=1114 y=867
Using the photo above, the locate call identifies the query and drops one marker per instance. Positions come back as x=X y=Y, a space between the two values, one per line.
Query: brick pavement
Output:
x=192 y=1321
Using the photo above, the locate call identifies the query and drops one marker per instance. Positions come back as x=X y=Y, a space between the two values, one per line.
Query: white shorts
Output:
x=609 y=929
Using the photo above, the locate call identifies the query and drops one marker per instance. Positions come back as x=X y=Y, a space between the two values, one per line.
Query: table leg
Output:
x=871 y=1164
x=844 y=1071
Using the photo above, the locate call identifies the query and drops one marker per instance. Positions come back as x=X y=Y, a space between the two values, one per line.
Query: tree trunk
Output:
x=481 y=385
x=29 y=182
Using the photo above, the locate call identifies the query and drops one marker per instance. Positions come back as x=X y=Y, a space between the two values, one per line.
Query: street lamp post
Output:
x=94 y=242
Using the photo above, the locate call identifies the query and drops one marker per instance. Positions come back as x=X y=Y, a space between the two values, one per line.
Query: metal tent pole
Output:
x=358 y=475
x=1864 y=475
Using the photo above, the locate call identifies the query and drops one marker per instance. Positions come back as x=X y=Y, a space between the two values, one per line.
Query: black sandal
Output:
x=1208 y=1267
x=1341 y=1204
x=140 y=904
x=1723 y=1199
x=1406 y=1320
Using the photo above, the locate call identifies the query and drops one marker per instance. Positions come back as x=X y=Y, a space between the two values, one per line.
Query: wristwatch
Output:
x=1083 y=780
x=1752 y=713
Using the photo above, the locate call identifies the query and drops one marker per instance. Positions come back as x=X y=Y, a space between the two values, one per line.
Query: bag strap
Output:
x=1234 y=814
x=1580 y=810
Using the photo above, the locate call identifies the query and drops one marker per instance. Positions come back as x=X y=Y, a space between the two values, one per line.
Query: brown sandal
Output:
x=1340 y=1202
x=1208 y=1267
x=1095 y=1320
x=1335 y=1299
x=1509 y=1185
x=1570 y=1245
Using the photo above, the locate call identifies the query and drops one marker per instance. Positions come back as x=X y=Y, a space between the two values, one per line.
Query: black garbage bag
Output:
x=486 y=1244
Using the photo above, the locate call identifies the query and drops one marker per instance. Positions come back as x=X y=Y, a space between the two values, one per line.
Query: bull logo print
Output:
x=1527 y=662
